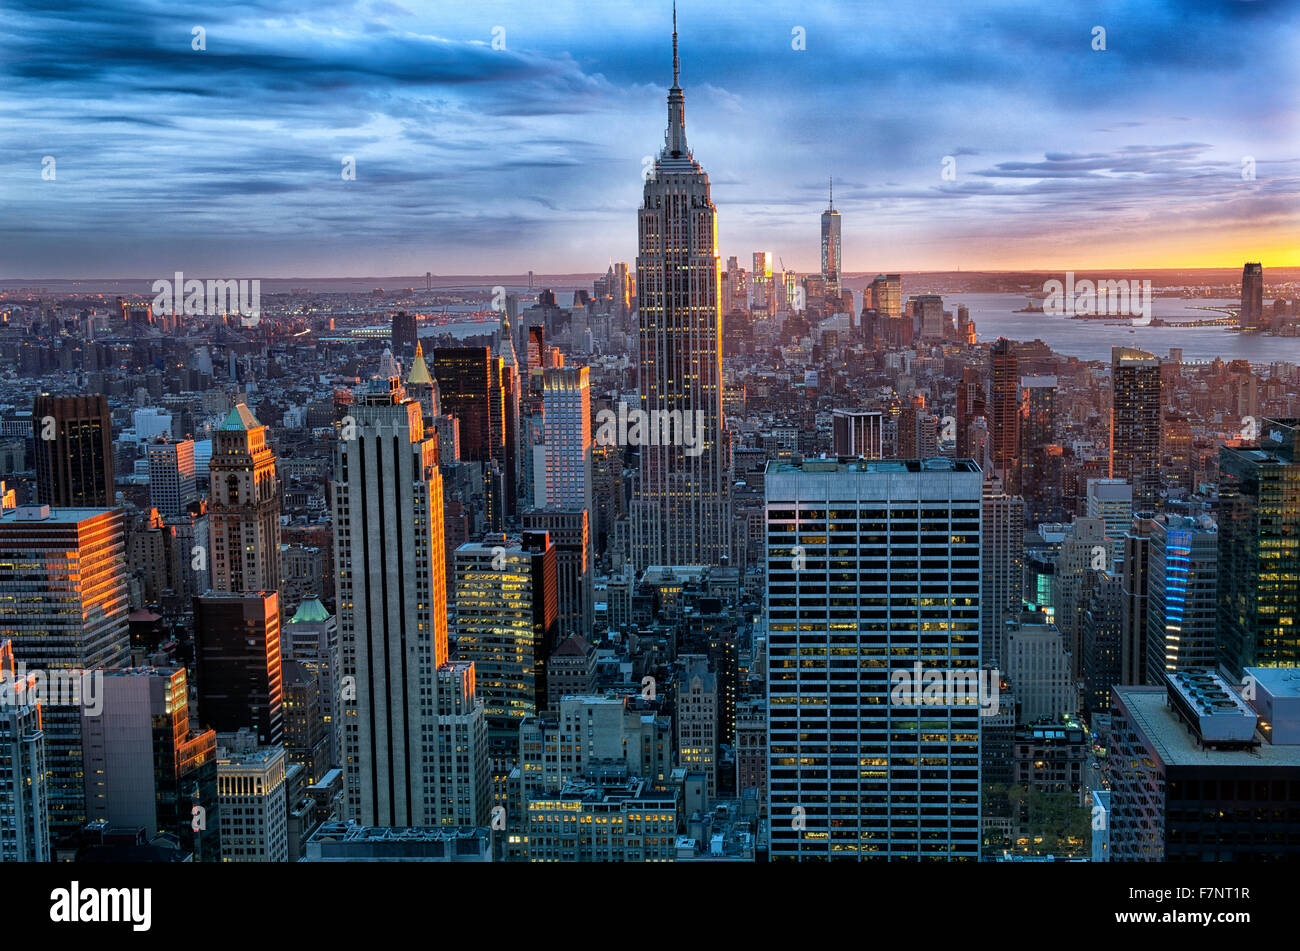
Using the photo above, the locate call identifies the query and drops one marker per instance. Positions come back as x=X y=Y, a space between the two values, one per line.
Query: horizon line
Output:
x=583 y=274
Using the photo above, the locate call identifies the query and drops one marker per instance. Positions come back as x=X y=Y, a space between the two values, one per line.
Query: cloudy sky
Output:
x=497 y=137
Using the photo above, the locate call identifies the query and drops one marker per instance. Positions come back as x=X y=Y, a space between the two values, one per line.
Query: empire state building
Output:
x=681 y=512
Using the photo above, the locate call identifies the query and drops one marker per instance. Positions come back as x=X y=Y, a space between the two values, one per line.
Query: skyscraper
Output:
x=1135 y=423
x=421 y=385
x=238 y=662
x=971 y=404
x=1101 y=641
x=475 y=387
x=761 y=280
x=1002 y=567
x=831 y=245
x=1111 y=500
x=1133 y=571
x=1200 y=774
x=697 y=721
x=64 y=605
x=507 y=623
x=929 y=315
x=885 y=296
x=570 y=533
x=392 y=596
x=1251 y=314
x=567 y=437
x=1037 y=661
x=681 y=514
x=243 y=507
x=1039 y=476
x=24 y=791
x=873 y=577
x=253 y=798
x=145 y=767
x=464 y=778
x=1083 y=554
x=171 y=476
x=467 y=390
x=918 y=430
x=858 y=432
x=1259 y=520
x=506 y=364
x=311 y=638
x=74 y=451
x=404 y=333
x=1182 y=595
x=306 y=734
x=1004 y=415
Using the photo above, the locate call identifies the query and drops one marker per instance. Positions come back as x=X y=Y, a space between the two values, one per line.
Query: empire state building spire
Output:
x=675 y=140
x=677 y=64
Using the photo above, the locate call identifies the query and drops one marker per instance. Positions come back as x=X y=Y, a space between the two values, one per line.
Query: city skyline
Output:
x=507 y=140
x=676 y=561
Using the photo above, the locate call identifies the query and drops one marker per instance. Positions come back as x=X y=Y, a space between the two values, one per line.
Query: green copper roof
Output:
x=311 y=611
x=241 y=417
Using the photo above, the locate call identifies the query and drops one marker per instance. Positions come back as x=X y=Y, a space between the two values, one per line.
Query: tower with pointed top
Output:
x=831 y=245
x=243 y=507
x=421 y=385
x=681 y=513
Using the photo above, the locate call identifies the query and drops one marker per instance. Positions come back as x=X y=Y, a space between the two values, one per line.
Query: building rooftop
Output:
x=572 y=646
x=240 y=418
x=349 y=831
x=350 y=842
x=1177 y=745
x=419 y=375
x=611 y=792
x=846 y=464
x=146 y=671
x=294 y=673
x=1189 y=523
x=310 y=611
x=1278 y=681
x=47 y=515
x=1206 y=702
x=259 y=758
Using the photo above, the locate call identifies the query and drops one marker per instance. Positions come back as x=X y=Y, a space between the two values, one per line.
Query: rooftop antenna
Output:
x=677 y=66
x=832 y=192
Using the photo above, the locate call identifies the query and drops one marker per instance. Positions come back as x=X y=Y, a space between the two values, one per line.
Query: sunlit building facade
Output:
x=392 y=611
x=64 y=605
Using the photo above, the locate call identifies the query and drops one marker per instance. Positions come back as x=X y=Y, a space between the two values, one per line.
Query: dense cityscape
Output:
x=691 y=558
